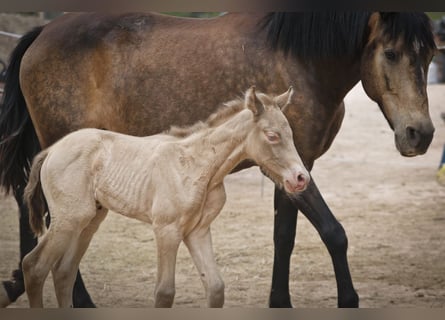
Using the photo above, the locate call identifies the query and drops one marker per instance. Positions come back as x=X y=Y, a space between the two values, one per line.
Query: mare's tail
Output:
x=34 y=197
x=18 y=139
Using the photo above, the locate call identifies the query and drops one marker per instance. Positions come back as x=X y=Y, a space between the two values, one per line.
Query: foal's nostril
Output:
x=301 y=179
x=414 y=137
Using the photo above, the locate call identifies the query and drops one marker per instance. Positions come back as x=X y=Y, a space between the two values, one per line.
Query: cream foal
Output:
x=173 y=181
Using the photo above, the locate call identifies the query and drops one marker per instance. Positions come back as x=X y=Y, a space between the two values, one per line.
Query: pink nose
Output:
x=297 y=182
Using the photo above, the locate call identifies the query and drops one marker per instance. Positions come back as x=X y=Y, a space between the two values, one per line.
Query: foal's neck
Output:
x=224 y=146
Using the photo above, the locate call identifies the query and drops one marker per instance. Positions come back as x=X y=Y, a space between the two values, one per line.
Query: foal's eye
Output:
x=272 y=137
x=390 y=55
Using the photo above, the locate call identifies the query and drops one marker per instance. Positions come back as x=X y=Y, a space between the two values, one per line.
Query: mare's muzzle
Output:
x=414 y=140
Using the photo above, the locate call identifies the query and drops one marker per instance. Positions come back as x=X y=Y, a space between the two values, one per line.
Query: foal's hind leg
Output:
x=15 y=287
x=64 y=272
x=37 y=264
x=81 y=297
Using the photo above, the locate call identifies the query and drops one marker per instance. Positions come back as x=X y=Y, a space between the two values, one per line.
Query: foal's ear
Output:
x=252 y=102
x=284 y=99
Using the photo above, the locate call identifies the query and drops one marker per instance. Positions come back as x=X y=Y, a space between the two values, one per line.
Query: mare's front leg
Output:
x=334 y=237
x=285 y=223
x=313 y=206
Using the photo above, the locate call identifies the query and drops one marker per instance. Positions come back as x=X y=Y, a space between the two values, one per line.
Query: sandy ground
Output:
x=392 y=208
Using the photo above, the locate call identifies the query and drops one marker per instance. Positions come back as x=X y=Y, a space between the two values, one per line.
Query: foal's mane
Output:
x=224 y=112
x=313 y=35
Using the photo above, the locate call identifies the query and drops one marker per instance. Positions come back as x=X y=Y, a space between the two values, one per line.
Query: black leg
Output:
x=334 y=237
x=81 y=297
x=16 y=287
x=284 y=238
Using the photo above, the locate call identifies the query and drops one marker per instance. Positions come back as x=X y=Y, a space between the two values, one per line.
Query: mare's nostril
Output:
x=413 y=136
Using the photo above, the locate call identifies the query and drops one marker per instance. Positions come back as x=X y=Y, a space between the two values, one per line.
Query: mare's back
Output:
x=139 y=73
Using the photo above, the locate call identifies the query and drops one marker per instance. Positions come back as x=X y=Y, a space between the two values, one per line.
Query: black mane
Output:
x=326 y=34
x=415 y=26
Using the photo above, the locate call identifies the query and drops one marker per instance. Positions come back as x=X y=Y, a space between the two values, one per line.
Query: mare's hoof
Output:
x=4 y=299
x=85 y=302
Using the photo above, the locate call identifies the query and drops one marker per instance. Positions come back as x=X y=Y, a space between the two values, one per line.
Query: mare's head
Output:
x=394 y=71
x=270 y=143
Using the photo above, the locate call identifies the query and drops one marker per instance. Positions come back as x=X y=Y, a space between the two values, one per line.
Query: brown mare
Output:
x=140 y=73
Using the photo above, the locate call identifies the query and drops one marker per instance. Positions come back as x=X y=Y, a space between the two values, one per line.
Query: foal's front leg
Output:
x=167 y=239
x=199 y=243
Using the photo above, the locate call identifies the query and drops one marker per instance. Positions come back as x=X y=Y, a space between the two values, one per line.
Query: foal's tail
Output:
x=34 y=197
x=18 y=139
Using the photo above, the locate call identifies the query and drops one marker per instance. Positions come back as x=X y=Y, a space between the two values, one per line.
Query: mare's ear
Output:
x=284 y=99
x=252 y=102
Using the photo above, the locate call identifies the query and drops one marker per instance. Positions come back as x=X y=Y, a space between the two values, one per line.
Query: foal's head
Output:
x=270 y=143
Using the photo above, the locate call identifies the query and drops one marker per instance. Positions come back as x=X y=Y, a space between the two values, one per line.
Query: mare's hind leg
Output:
x=199 y=244
x=64 y=272
x=15 y=287
x=81 y=297
x=167 y=240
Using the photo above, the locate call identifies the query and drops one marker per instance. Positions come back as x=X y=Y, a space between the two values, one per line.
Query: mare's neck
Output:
x=331 y=79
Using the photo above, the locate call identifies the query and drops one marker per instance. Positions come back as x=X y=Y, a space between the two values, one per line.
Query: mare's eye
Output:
x=272 y=137
x=390 y=55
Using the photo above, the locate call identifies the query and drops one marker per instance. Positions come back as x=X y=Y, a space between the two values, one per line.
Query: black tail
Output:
x=18 y=139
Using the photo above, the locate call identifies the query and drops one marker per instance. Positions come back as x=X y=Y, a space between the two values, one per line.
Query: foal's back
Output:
x=107 y=167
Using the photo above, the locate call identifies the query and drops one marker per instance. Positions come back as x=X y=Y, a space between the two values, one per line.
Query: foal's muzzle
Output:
x=296 y=181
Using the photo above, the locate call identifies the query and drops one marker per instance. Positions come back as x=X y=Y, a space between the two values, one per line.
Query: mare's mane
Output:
x=312 y=35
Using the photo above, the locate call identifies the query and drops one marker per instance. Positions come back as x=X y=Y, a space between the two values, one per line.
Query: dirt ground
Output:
x=392 y=208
